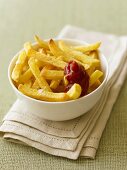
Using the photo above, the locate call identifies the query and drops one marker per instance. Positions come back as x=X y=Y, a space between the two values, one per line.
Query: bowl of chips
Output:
x=58 y=79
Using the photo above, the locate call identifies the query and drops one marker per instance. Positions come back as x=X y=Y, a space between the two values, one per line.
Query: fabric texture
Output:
x=80 y=136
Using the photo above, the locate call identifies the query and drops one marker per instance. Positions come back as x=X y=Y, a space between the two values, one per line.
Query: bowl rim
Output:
x=61 y=102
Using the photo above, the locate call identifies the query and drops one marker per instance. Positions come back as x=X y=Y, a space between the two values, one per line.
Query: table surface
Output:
x=19 y=21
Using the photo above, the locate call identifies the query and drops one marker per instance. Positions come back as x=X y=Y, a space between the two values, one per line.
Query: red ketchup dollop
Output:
x=75 y=73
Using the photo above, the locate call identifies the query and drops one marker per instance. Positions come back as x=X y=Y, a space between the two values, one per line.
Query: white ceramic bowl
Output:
x=60 y=111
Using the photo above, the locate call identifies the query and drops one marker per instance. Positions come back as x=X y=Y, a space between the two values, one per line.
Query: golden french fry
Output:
x=41 y=43
x=41 y=50
x=35 y=85
x=41 y=94
x=54 y=84
x=26 y=76
x=65 y=81
x=53 y=74
x=70 y=58
x=49 y=52
x=94 y=86
x=28 y=49
x=37 y=74
x=87 y=48
x=56 y=51
x=94 y=54
x=78 y=55
x=74 y=92
x=95 y=76
x=25 y=68
x=50 y=60
x=64 y=47
x=67 y=56
x=19 y=66
x=28 y=83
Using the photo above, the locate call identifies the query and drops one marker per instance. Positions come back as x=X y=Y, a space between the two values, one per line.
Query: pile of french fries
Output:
x=39 y=69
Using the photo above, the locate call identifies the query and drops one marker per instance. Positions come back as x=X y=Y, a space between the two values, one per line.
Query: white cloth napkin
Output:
x=80 y=136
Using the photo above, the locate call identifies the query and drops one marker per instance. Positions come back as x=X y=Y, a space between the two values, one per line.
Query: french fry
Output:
x=94 y=86
x=28 y=49
x=87 y=48
x=78 y=55
x=56 y=51
x=94 y=54
x=74 y=92
x=41 y=43
x=65 y=81
x=28 y=83
x=35 y=85
x=36 y=72
x=54 y=84
x=19 y=66
x=68 y=55
x=42 y=94
x=64 y=47
x=26 y=76
x=53 y=74
x=95 y=76
x=41 y=50
x=50 y=60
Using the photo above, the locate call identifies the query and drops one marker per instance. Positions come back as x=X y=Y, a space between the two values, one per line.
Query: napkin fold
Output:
x=80 y=136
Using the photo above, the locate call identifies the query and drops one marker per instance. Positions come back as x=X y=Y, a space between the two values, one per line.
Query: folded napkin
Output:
x=80 y=136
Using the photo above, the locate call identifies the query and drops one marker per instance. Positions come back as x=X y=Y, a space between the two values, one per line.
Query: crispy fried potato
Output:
x=56 y=51
x=87 y=48
x=94 y=86
x=36 y=72
x=50 y=60
x=78 y=55
x=68 y=55
x=35 y=85
x=42 y=94
x=19 y=66
x=41 y=50
x=94 y=54
x=26 y=76
x=41 y=43
x=65 y=81
x=28 y=83
x=64 y=47
x=74 y=92
x=53 y=74
x=95 y=76
x=54 y=84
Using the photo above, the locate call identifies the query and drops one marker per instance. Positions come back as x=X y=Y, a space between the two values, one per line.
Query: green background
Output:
x=19 y=21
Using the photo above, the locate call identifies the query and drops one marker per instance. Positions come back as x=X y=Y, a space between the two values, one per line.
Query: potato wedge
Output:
x=36 y=72
x=42 y=94
x=19 y=66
